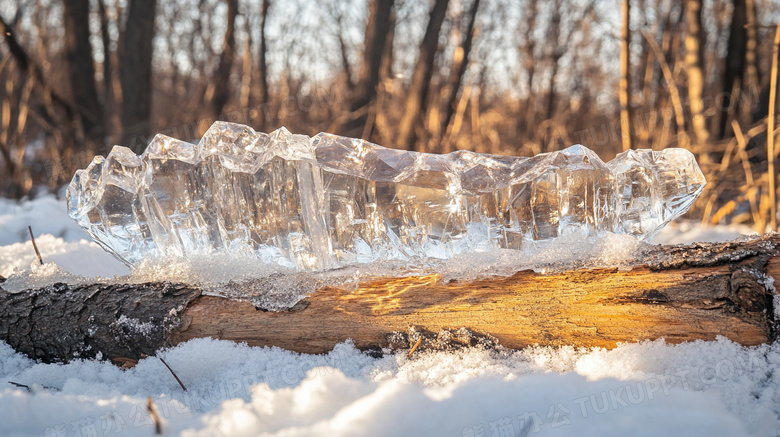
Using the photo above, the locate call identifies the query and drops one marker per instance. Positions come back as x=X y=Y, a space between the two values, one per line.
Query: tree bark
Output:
x=136 y=74
x=693 y=65
x=416 y=99
x=81 y=71
x=378 y=29
x=221 y=81
x=680 y=293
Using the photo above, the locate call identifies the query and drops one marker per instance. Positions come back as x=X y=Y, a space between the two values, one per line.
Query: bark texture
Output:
x=62 y=322
x=680 y=293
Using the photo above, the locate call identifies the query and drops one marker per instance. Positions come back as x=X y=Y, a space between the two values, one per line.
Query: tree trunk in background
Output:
x=558 y=50
x=344 y=51
x=733 y=76
x=752 y=81
x=81 y=71
x=221 y=81
x=378 y=28
x=526 y=124
x=108 y=73
x=263 y=65
x=386 y=70
x=693 y=64
x=459 y=66
x=415 y=106
x=625 y=77
x=246 y=69
x=554 y=36
x=136 y=74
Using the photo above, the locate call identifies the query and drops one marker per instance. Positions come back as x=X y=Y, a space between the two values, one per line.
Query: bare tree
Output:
x=388 y=55
x=416 y=99
x=693 y=62
x=263 y=64
x=459 y=65
x=246 y=67
x=81 y=70
x=338 y=16
x=220 y=89
x=734 y=74
x=625 y=77
x=752 y=81
x=108 y=71
x=528 y=54
x=136 y=73
x=378 y=28
x=557 y=52
x=45 y=111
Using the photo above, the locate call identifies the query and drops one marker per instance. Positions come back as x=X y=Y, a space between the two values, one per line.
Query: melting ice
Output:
x=328 y=201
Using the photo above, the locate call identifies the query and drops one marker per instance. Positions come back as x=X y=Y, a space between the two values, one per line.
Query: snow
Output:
x=703 y=388
x=715 y=388
x=46 y=215
x=59 y=239
x=686 y=232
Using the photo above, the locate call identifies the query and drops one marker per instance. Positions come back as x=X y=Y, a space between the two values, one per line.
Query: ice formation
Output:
x=327 y=201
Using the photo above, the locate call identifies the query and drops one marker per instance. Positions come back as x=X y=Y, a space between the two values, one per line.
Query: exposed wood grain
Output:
x=679 y=293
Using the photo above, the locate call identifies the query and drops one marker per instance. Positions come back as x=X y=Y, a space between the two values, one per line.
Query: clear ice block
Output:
x=328 y=201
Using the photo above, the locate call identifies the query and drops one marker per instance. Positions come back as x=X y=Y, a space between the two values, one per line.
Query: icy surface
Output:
x=703 y=389
x=329 y=201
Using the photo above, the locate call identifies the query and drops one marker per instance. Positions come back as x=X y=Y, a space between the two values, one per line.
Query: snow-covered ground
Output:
x=647 y=389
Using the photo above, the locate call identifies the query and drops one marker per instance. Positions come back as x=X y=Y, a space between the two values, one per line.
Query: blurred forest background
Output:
x=495 y=76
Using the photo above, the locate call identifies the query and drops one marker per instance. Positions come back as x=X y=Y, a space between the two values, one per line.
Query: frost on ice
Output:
x=327 y=201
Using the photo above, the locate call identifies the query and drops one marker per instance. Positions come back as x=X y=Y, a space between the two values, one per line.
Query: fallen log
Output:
x=680 y=293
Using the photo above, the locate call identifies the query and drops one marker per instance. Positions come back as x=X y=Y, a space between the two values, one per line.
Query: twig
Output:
x=20 y=385
x=30 y=389
x=35 y=246
x=758 y=219
x=414 y=348
x=152 y=409
x=174 y=375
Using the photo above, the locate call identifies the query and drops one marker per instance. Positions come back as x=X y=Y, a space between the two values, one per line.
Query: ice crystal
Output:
x=327 y=201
